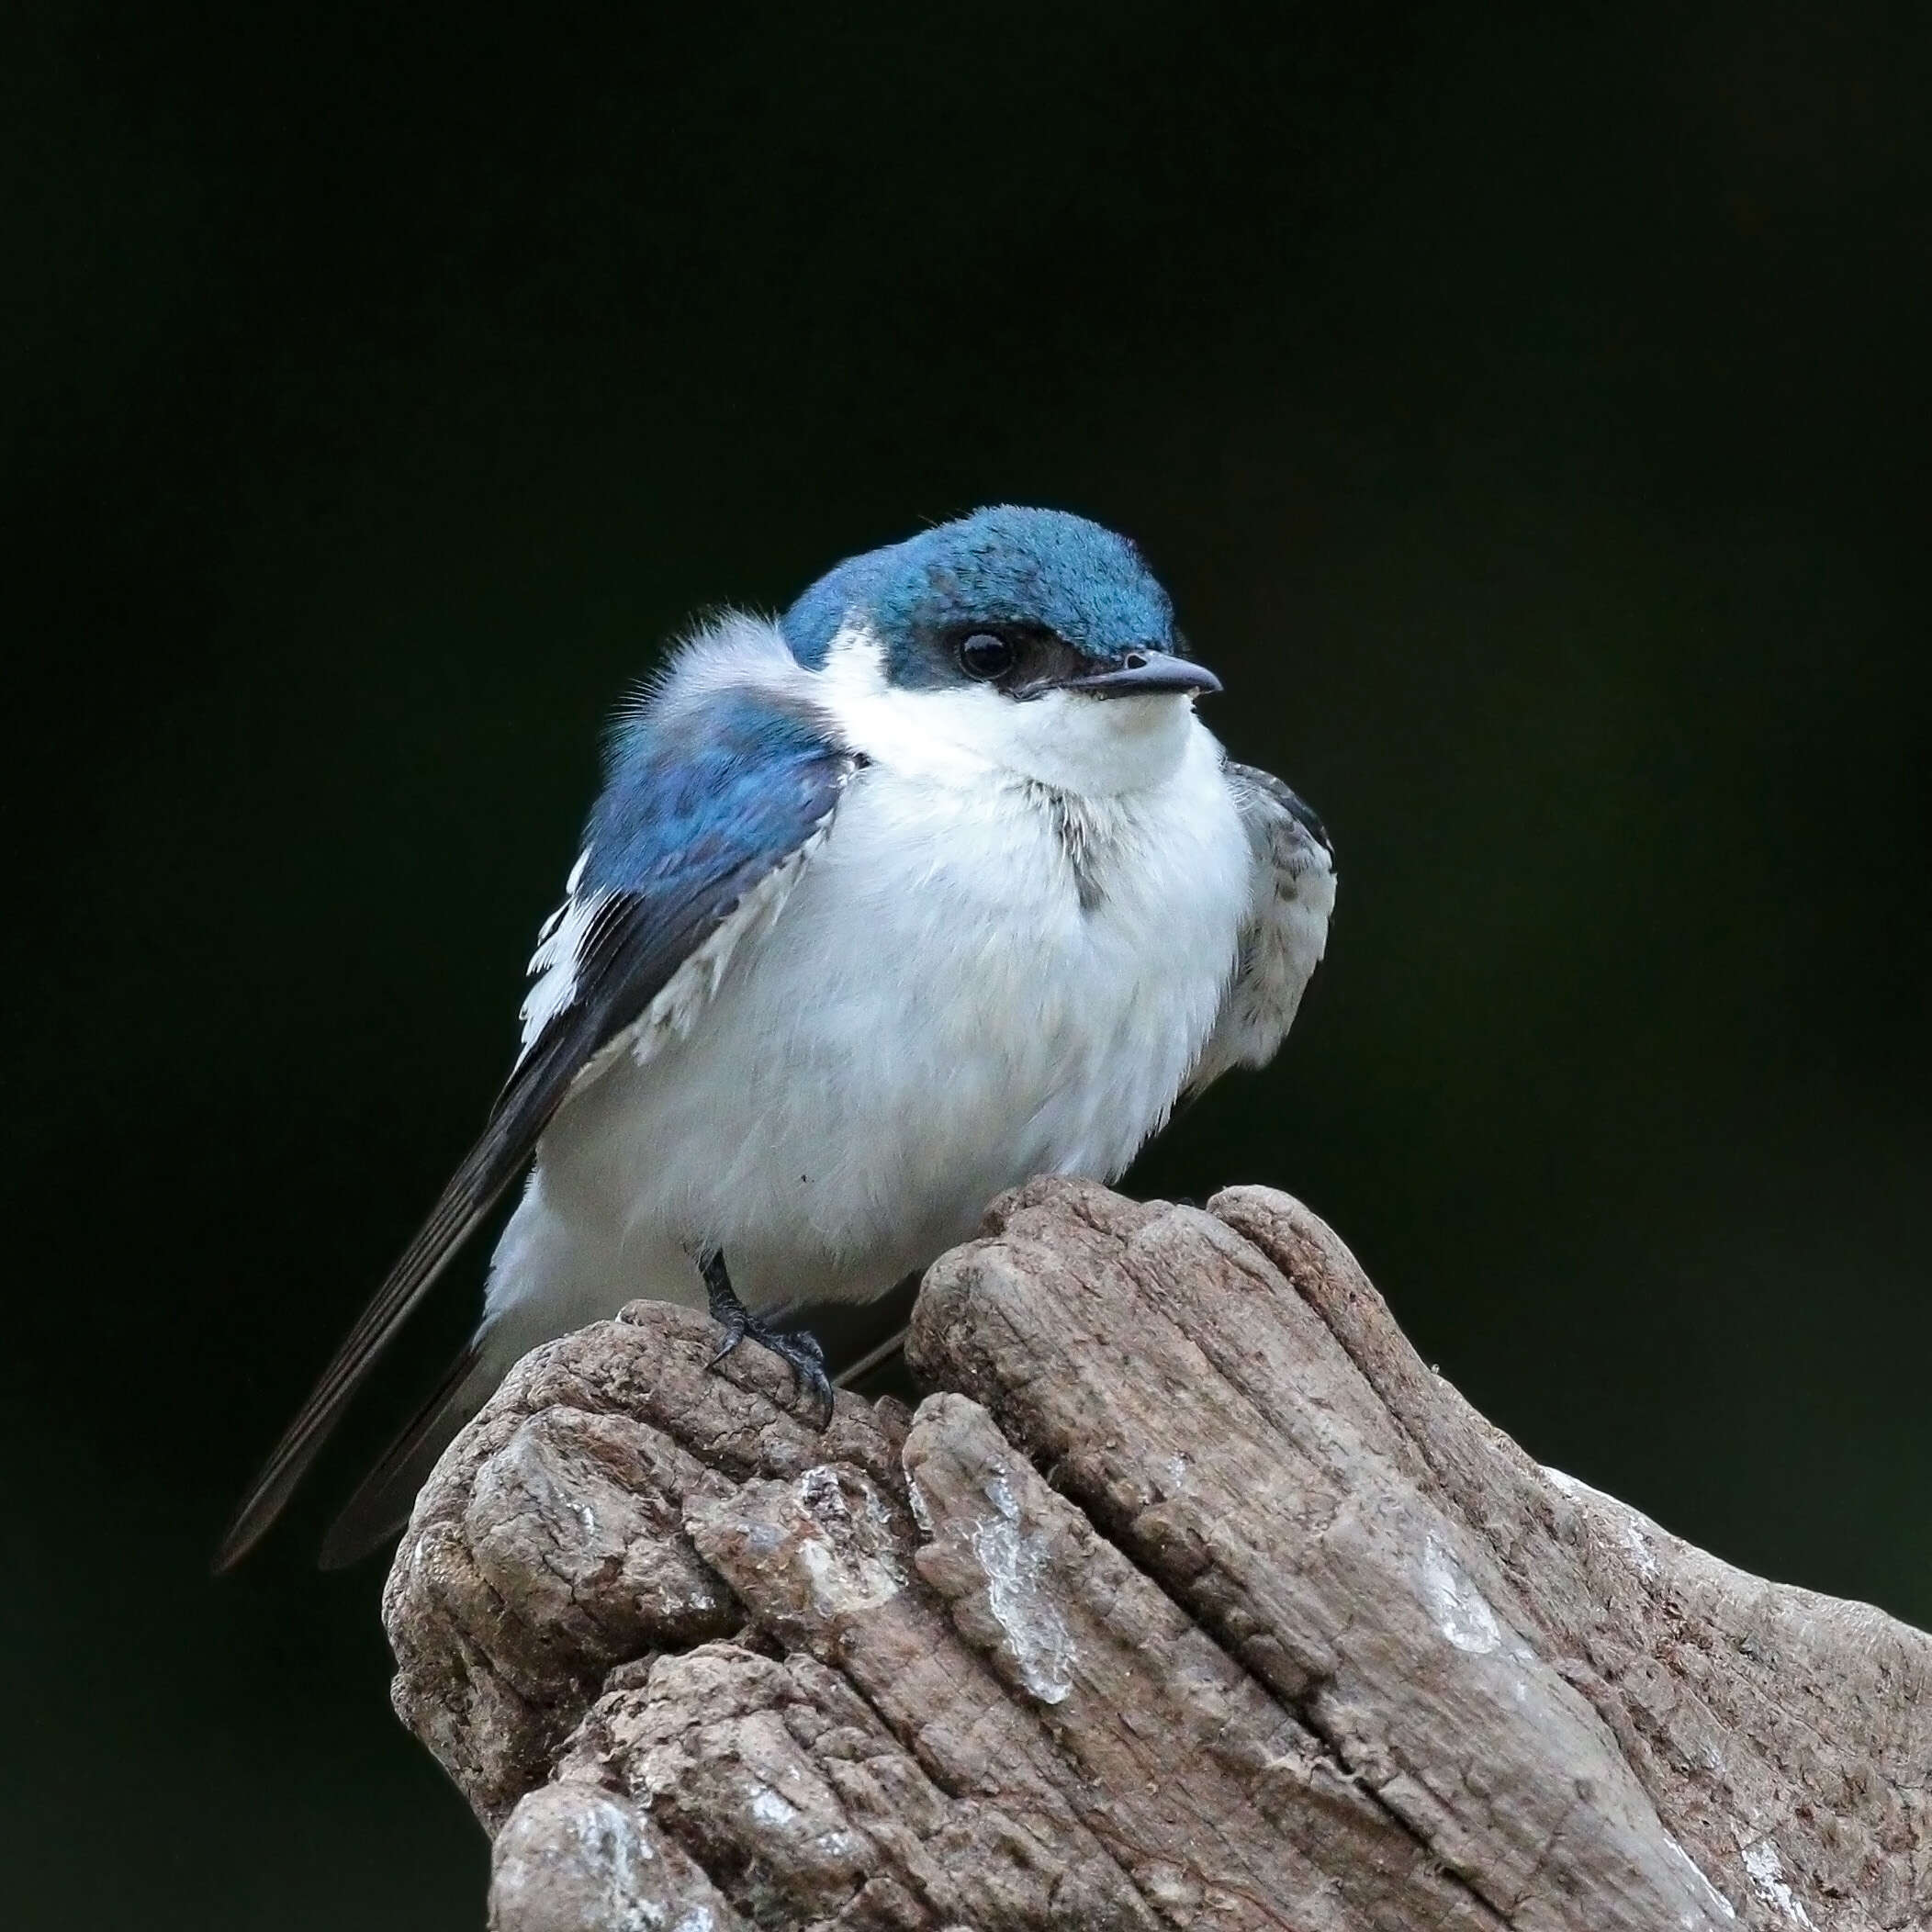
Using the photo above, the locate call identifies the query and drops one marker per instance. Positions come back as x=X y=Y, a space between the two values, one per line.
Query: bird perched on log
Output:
x=933 y=884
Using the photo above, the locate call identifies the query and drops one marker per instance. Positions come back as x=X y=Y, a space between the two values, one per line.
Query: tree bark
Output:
x=1190 y=1598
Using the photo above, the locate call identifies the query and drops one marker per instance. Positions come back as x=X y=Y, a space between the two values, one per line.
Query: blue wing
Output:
x=711 y=799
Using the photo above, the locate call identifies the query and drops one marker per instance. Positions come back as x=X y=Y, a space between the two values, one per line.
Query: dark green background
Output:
x=1530 y=417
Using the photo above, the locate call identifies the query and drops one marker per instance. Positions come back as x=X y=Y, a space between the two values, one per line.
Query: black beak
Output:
x=1144 y=674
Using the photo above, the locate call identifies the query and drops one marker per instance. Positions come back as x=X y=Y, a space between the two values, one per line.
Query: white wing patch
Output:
x=552 y=966
x=1284 y=936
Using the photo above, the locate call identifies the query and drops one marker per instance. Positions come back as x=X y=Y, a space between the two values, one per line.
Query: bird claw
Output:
x=801 y=1351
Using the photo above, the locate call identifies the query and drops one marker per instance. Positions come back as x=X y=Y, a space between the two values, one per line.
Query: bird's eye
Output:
x=984 y=655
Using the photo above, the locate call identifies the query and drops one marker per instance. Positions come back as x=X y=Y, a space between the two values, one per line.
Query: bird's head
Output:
x=1031 y=640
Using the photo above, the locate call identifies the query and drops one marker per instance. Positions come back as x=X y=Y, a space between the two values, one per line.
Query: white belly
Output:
x=934 y=1016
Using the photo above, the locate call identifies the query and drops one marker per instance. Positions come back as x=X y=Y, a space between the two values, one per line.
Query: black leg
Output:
x=801 y=1350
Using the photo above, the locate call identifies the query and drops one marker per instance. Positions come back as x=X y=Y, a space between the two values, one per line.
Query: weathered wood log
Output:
x=1192 y=1599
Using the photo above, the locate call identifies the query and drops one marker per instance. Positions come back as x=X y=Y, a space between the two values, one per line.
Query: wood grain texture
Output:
x=1191 y=1598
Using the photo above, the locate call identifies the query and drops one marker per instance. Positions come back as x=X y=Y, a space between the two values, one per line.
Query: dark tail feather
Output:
x=384 y=1498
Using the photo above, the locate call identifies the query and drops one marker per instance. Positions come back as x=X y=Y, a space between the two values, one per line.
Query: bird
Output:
x=934 y=883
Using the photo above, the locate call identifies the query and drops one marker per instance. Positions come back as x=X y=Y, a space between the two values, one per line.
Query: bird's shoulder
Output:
x=720 y=751
x=721 y=778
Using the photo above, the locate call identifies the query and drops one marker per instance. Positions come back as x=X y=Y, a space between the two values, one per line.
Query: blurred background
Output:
x=1530 y=414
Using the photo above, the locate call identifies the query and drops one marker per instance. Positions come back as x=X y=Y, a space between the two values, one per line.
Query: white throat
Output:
x=1091 y=746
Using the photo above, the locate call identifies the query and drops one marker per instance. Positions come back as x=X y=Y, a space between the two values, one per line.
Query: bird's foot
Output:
x=801 y=1350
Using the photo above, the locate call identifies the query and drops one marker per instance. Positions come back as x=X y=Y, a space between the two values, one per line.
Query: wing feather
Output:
x=1285 y=932
x=701 y=832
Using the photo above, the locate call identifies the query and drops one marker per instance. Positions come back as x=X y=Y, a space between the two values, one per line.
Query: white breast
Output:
x=936 y=1016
